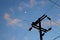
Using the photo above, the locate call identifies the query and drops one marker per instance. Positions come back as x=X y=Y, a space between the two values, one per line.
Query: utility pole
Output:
x=34 y=25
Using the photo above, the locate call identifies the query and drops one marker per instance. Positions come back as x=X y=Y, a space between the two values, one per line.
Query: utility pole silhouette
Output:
x=34 y=25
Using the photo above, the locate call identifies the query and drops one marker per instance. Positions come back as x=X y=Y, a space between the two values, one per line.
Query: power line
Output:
x=50 y=7
x=54 y=3
x=56 y=37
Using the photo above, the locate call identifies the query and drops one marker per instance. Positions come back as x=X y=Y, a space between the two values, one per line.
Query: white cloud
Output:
x=58 y=15
x=52 y=23
x=43 y=2
x=31 y=4
x=23 y=5
x=20 y=8
x=25 y=38
x=12 y=22
x=7 y=16
x=13 y=37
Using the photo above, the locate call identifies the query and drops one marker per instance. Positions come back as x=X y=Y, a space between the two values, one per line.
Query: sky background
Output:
x=16 y=17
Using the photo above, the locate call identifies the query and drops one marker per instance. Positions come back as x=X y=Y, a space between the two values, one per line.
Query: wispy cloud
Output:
x=30 y=4
x=58 y=14
x=7 y=17
x=52 y=23
x=12 y=22
x=43 y=2
x=25 y=38
x=13 y=37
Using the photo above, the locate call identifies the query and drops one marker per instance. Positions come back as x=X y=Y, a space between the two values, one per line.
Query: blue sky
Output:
x=16 y=17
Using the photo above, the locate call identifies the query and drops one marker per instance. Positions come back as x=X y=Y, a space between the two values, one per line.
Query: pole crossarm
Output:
x=41 y=18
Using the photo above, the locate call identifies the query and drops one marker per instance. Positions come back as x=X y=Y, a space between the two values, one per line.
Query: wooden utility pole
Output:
x=34 y=25
x=40 y=31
